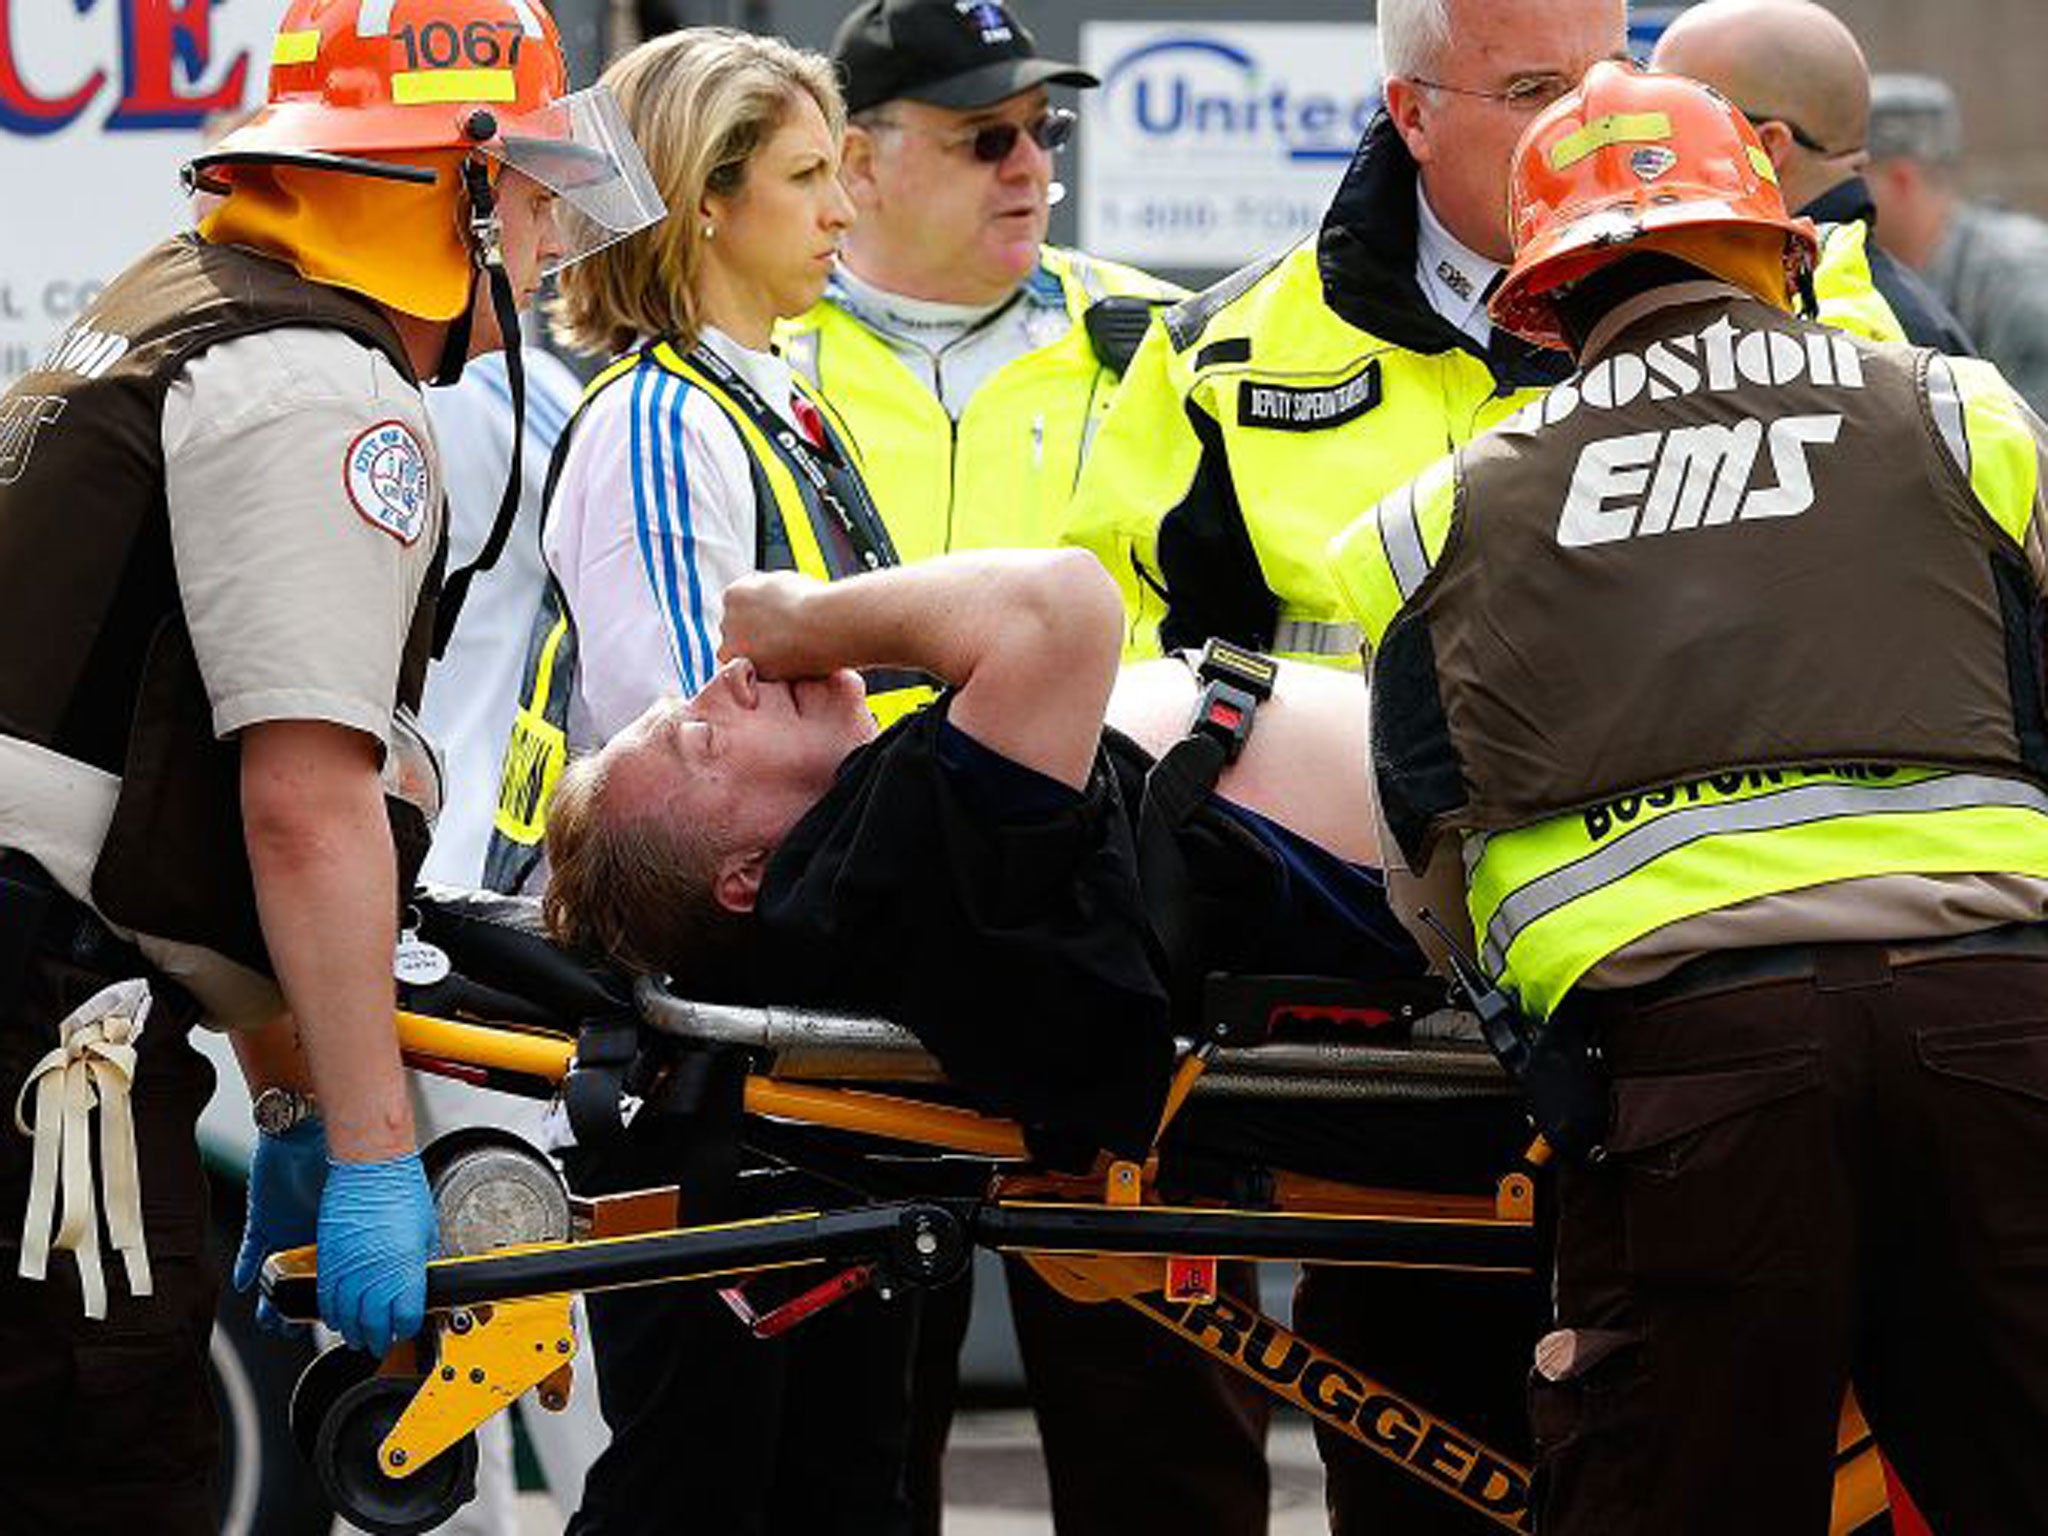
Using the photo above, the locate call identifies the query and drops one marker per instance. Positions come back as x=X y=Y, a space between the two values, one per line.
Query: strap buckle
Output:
x=1235 y=683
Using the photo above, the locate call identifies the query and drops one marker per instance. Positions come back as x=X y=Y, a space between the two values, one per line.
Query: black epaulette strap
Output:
x=1235 y=682
x=1116 y=327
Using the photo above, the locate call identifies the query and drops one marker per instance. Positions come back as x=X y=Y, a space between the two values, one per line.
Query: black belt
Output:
x=38 y=918
x=1838 y=965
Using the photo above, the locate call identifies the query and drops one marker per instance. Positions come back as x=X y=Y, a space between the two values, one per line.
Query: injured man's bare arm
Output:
x=1304 y=764
x=1030 y=641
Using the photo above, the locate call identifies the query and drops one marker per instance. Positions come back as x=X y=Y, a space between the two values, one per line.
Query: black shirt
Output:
x=997 y=914
x=1012 y=945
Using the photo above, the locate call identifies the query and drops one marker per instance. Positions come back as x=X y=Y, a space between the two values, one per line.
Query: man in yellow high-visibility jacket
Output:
x=971 y=361
x=1267 y=410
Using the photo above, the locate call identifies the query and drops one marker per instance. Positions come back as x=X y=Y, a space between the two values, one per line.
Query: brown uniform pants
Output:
x=109 y=1424
x=1809 y=1182
x=1144 y=1433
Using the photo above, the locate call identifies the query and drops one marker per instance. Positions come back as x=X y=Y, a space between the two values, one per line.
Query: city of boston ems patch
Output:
x=388 y=480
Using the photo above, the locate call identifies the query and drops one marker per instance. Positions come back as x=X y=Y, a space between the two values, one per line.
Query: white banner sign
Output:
x=1209 y=144
x=100 y=102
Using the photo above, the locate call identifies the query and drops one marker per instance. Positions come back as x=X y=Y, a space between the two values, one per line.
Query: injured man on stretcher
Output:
x=973 y=872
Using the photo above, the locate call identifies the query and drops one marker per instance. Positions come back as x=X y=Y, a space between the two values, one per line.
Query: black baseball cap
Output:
x=950 y=53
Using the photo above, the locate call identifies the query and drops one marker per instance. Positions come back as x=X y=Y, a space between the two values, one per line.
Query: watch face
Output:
x=277 y=1110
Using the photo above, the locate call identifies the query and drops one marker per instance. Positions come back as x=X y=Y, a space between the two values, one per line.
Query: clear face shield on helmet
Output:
x=580 y=149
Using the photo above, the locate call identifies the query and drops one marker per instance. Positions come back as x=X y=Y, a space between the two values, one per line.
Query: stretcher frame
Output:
x=499 y=1324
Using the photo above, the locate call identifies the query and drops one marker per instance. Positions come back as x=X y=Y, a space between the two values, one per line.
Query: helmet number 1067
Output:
x=439 y=45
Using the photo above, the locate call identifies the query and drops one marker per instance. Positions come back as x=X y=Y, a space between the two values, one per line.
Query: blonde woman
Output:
x=697 y=456
x=694 y=459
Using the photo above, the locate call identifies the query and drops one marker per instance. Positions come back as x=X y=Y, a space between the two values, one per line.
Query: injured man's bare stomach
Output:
x=974 y=872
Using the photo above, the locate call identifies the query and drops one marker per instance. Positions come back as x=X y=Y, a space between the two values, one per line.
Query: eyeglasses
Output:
x=1531 y=94
x=1800 y=136
x=993 y=143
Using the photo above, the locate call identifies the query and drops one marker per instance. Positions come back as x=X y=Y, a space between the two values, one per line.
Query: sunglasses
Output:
x=992 y=144
x=1800 y=136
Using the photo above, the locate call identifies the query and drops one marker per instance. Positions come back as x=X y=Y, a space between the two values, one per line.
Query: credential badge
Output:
x=388 y=480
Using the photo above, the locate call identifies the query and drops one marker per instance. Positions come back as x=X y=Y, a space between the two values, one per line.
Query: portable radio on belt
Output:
x=1558 y=1069
x=1235 y=682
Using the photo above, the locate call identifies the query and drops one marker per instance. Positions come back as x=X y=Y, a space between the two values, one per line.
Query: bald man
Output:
x=1799 y=75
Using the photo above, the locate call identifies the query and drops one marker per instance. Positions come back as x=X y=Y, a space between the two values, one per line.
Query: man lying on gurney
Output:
x=974 y=873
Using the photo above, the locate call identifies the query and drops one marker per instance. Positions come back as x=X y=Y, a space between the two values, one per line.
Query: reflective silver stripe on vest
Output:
x=1089 y=277
x=801 y=353
x=1304 y=637
x=1947 y=402
x=1799 y=806
x=1401 y=538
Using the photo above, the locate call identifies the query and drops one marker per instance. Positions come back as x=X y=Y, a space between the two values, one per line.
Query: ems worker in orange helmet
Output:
x=1709 y=688
x=220 y=542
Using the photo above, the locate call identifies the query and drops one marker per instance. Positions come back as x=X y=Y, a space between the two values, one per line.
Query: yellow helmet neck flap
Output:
x=400 y=243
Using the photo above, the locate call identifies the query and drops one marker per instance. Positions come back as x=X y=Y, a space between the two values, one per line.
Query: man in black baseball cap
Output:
x=950 y=53
x=950 y=154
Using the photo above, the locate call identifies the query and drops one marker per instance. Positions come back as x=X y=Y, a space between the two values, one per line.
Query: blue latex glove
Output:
x=377 y=1231
x=286 y=1174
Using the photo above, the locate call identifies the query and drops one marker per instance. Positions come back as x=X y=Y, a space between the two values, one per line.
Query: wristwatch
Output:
x=277 y=1110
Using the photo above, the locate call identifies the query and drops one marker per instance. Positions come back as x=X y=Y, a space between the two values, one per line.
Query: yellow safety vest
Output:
x=1550 y=900
x=1308 y=417
x=794 y=533
x=1842 y=282
x=1002 y=475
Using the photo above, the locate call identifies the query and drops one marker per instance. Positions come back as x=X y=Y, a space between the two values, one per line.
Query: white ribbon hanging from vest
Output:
x=93 y=1065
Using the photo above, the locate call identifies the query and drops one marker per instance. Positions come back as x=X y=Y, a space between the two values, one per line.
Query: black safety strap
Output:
x=1809 y=296
x=486 y=242
x=1234 y=682
x=591 y=1093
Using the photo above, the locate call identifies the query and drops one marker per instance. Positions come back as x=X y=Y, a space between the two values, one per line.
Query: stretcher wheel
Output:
x=330 y=1373
x=345 y=1457
x=492 y=1189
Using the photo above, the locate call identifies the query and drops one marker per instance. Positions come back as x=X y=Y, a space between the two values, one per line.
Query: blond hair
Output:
x=700 y=102
x=634 y=883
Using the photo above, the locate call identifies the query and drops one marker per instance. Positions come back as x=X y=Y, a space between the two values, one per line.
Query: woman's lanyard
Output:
x=865 y=536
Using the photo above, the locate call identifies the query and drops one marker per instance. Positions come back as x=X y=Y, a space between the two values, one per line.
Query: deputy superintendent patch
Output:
x=1309 y=410
x=388 y=480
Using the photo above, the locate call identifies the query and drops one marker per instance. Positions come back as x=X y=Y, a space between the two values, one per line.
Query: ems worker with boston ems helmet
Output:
x=220 y=536
x=1712 y=684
